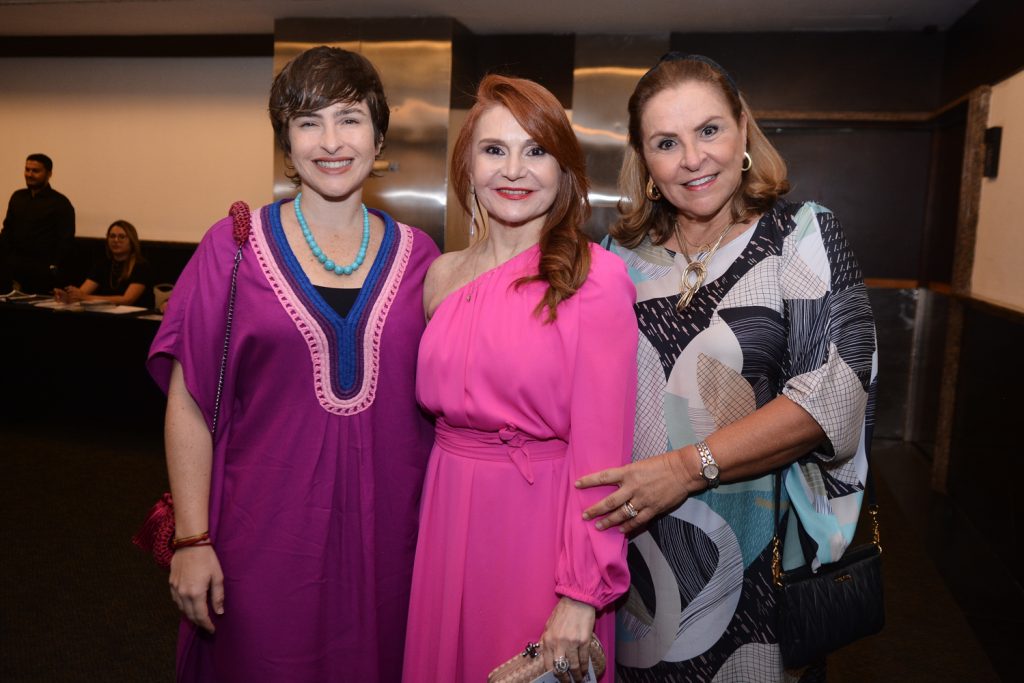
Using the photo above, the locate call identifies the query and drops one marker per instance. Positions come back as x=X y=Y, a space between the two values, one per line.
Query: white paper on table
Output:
x=118 y=310
x=56 y=305
x=550 y=677
x=21 y=296
x=77 y=306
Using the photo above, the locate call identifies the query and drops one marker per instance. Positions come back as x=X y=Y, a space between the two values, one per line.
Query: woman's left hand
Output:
x=73 y=294
x=651 y=486
x=567 y=634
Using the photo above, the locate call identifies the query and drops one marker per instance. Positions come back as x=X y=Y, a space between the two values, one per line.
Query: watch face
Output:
x=710 y=472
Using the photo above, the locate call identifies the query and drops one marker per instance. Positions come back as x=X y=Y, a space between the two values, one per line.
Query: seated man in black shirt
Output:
x=38 y=233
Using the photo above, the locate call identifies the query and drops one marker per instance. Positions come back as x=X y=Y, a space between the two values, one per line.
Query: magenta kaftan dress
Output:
x=523 y=409
x=319 y=457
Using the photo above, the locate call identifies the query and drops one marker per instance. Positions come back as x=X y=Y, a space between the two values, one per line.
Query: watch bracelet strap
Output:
x=704 y=453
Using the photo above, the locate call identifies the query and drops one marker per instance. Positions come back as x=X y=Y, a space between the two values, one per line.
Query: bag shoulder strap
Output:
x=241 y=219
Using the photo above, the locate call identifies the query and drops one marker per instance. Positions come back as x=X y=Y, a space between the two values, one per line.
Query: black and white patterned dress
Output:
x=784 y=311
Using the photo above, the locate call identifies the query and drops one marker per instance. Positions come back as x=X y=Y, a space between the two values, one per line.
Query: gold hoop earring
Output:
x=748 y=163
x=652 y=191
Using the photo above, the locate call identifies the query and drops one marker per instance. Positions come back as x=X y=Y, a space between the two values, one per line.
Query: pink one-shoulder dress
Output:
x=523 y=409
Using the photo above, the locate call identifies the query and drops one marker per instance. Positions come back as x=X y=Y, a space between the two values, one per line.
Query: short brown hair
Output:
x=320 y=77
x=564 y=247
x=759 y=187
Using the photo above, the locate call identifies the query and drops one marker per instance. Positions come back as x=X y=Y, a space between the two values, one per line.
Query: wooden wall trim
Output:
x=844 y=116
x=970 y=189
x=966 y=232
x=890 y=283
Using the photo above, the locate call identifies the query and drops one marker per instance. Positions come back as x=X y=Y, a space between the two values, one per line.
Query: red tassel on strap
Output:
x=157 y=532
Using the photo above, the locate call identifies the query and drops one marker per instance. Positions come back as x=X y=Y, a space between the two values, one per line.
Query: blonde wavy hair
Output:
x=759 y=187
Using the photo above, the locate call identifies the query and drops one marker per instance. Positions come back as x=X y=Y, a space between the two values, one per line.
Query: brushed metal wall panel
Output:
x=606 y=71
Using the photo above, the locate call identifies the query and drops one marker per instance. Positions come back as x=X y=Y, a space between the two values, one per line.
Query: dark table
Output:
x=68 y=367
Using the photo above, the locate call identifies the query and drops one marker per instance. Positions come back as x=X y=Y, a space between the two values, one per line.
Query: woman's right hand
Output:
x=197 y=582
x=652 y=486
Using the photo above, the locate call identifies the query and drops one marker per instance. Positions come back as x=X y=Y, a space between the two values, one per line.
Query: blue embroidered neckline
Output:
x=345 y=335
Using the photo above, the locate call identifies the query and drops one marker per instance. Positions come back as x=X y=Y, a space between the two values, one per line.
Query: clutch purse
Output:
x=157 y=532
x=527 y=665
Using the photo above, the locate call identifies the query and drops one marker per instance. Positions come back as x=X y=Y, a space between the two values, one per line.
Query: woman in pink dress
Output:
x=529 y=365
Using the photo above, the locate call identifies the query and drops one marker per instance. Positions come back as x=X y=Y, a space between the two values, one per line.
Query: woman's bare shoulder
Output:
x=444 y=276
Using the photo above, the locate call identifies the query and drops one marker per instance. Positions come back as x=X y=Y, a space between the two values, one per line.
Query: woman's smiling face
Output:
x=333 y=149
x=516 y=180
x=693 y=148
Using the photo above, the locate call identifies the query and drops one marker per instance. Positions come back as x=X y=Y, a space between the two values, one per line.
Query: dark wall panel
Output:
x=167 y=259
x=983 y=47
x=986 y=466
x=943 y=204
x=873 y=179
x=547 y=59
x=891 y=71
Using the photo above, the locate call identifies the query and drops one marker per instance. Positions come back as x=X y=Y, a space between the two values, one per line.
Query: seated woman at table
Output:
x=122 y=276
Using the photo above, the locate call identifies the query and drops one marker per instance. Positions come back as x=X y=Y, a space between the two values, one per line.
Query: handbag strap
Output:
x=241 y=218
x=869 y=491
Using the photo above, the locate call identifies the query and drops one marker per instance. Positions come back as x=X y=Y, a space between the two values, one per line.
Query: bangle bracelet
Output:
x=188 y=541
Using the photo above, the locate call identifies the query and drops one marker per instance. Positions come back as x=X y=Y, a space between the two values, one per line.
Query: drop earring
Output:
x=472 y=216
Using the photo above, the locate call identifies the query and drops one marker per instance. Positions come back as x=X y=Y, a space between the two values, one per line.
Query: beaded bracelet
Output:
x=191 y=541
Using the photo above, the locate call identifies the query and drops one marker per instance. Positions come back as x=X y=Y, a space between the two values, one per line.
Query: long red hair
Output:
x=564 y=247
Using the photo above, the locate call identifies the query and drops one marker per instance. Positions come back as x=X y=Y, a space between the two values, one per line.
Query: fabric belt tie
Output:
x=508 y=443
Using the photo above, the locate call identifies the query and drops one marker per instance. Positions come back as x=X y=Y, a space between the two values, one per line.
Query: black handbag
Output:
x=819 y=612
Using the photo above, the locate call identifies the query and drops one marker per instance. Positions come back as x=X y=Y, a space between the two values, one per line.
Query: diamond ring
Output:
x=630 y=510
x=561 y=665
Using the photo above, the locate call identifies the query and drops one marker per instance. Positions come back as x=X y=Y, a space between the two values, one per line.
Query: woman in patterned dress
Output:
x=309 y=490
x=757 y=354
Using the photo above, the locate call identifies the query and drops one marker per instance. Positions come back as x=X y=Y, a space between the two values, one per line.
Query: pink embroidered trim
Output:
x=314 y=336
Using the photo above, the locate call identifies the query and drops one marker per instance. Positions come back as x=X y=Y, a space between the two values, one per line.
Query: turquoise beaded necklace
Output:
x=319 y=253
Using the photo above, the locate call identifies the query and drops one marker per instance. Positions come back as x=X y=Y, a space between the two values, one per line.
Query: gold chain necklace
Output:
x=696 y=268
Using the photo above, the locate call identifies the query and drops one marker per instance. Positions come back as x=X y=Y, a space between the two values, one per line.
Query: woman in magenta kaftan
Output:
x=525 y=405
x=310 y=487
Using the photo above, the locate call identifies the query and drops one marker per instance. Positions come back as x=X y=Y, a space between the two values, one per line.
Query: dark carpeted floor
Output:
x=81 y=604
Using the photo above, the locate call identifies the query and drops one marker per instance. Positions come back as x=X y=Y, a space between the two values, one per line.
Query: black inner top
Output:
x=340 y=299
